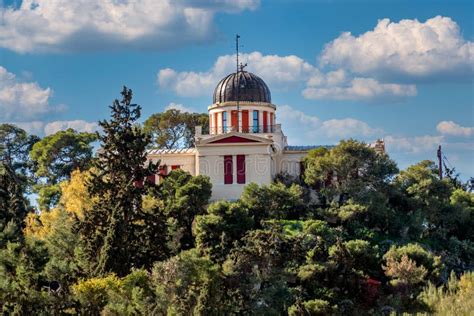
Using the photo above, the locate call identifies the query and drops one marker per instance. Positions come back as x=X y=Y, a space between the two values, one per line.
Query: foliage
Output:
x=55 y=157
x=184 y=197
x=411 y=264
x=13 y=205
x=374 y=241
x=175 y=129
x=312 y=307
x=273 y=201
x=92 y=294
x=351 y=169
x=225 y=224
x=117 y=234
x=256 y=275
x=21 y=281
x=454 y=298
x=75 y=196
x=15 y=145
x=187 y=284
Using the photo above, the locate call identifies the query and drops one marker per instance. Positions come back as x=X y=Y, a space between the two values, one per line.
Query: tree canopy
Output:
x=355 y=236
x=174 y=129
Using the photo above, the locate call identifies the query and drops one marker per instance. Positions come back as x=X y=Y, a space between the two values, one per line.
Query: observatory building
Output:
x=245 y=143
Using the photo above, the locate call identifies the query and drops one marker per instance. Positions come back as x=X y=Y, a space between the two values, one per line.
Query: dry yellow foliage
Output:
x=40 y=226
x=75 y=197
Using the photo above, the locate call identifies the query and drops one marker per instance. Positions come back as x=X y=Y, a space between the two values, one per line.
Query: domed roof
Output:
x=244 y=85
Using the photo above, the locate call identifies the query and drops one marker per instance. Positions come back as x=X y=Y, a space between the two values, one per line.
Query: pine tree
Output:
x=13 y=206
x=116 y=231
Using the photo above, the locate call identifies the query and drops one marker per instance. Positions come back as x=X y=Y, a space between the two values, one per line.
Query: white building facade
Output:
x=245 y=143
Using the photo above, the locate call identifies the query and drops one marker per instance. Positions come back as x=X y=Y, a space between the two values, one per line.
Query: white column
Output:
x=211 y=123
x=260 y=120
x=219 y=123
x=234 y=169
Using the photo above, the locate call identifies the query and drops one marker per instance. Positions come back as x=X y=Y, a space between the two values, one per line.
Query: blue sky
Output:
x=398 y=70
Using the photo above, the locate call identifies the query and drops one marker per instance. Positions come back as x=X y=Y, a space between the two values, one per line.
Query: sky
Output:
x=397 y=70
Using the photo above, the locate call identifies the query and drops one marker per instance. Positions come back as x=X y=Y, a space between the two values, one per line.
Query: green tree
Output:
x=117 y=233
x=275 y=201
x=349 y=170
x=411 y=264
x=13 y=206
x=188 y=284
x=21 y=278
x=184 y=197
x=256 y=276
x=175 y=129
x=217 y=231
x=15 y=145
x=427 y=197
x=55 y=157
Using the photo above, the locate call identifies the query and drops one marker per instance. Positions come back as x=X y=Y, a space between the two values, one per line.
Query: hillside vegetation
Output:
x=353 y=236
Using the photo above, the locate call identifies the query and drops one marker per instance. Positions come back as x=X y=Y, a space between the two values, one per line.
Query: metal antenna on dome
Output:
x=237 y=36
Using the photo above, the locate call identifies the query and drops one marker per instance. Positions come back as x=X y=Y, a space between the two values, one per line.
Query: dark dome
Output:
x=252 y=88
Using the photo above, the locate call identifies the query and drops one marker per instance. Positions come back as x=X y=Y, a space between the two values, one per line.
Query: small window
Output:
x=255 y=121
x=224 y=122
x=175 y=167
x=163 y=170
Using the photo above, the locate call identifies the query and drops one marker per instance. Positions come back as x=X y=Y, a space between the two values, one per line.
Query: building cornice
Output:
x=242 y=104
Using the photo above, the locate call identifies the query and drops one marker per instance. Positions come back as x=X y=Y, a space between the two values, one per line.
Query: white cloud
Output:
x=336 y=85
x=41 y=128
x=408 y=49
x=347 y=128
x=277 y=71
x=416 y=144
x=33 y=127
x=288 y=115
x=381 y=65
x=64 y=25
x=22 y=100
x=180 y=107
x=453 y=129
x=307 y=129
x=77 y=125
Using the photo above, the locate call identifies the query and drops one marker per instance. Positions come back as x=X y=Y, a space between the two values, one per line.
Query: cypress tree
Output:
x=116 y=231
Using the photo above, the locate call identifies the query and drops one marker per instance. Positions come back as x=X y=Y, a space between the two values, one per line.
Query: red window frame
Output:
x=234 y=118
x=228 y=166
x=241 y=169
x=265 y=121
x=245 y=121
x=175 y=167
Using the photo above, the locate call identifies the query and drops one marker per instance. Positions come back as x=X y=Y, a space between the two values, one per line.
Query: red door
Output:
x=228 y=169
x=241 y=169
x=245 y=121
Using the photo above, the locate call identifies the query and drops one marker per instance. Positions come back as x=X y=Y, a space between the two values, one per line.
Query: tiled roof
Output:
x=307 y=147
x=171 y=151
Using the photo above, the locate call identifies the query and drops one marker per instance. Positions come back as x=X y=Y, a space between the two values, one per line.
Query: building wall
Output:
x=257 y=167
x=187 y=162
x=290 y=162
